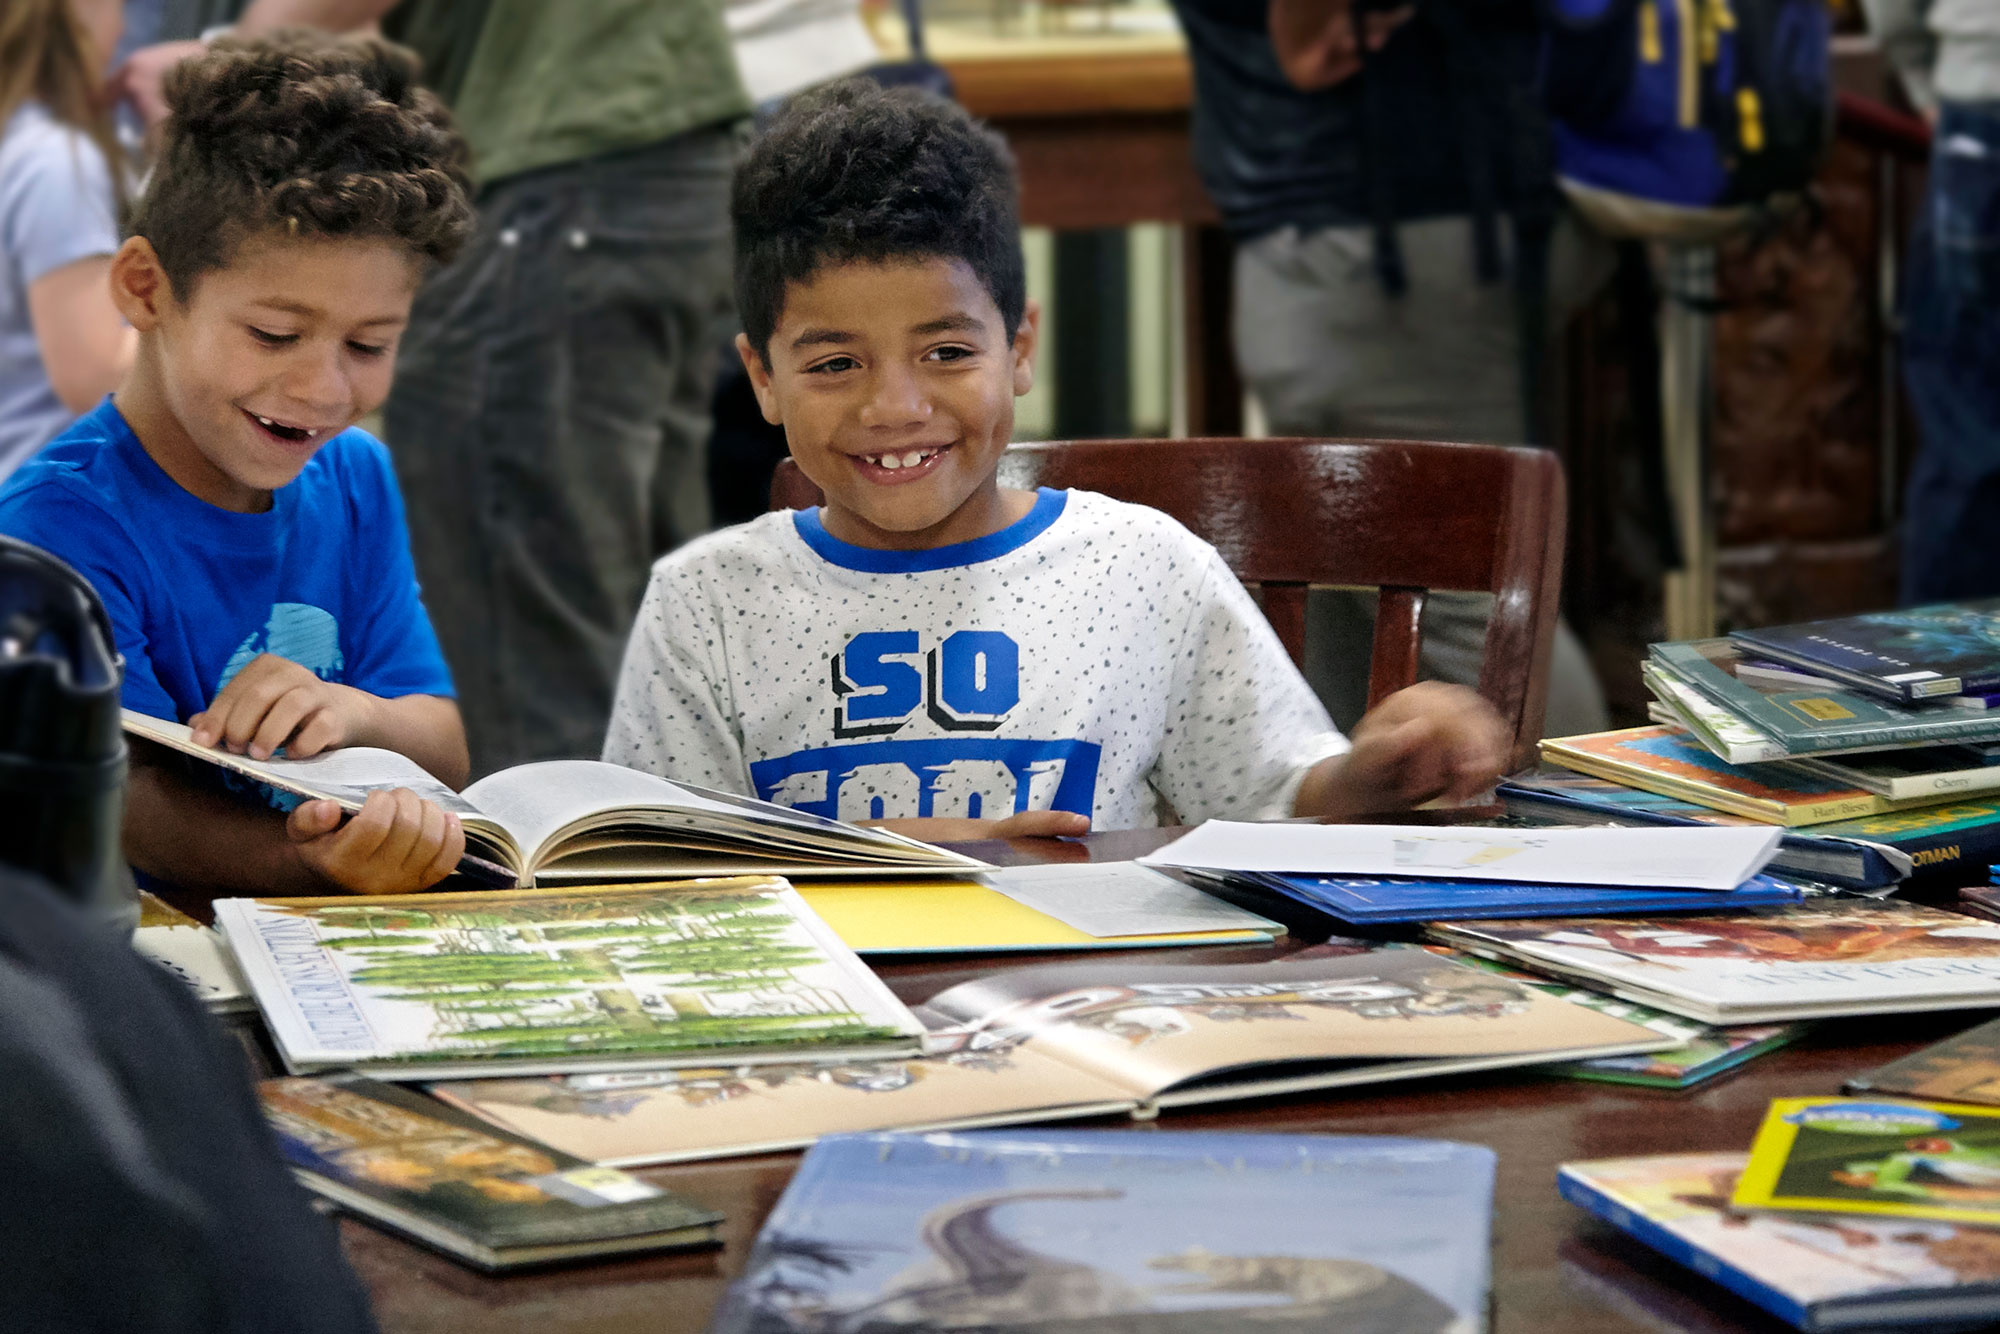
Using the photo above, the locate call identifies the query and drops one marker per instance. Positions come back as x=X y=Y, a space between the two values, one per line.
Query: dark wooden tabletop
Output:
x=1555 y=1270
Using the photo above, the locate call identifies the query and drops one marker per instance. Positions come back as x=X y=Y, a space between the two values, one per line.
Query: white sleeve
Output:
x=674 y=714
x=1243 y=726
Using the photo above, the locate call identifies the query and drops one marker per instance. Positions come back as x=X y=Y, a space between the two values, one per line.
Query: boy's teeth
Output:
x=890 y=461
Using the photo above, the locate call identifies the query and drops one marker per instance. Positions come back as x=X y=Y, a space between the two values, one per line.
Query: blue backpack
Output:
x=1680 y=119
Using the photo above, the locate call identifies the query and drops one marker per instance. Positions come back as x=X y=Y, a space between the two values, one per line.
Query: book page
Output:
x=1121 y=899
x=1678 y=858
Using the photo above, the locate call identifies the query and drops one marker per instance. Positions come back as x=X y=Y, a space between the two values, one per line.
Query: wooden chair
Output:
x=1407 y=517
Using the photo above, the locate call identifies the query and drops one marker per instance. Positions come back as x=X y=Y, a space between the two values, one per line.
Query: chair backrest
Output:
x=1406 y=517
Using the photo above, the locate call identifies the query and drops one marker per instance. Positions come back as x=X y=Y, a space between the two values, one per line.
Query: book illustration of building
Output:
x=547 y=974
x=975 y=1276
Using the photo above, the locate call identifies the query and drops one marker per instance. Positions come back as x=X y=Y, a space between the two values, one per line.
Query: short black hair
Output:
x=303 y=134
x=855 y=171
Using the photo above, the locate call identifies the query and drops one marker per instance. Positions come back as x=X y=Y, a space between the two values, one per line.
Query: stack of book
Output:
x=1846 y=1212
x=1873 y=740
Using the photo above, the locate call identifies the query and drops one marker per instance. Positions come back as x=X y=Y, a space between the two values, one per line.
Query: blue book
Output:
x=1562 y=796
x=1006 y=1232
x=1355 y=900
x=1909 y=655
x=1814 y=1272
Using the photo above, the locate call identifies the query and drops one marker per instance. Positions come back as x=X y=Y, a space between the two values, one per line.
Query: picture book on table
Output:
x=1077 y=1039
x=1704 y=1050
x=1910 y=654
x=1965 y=1068
x=1802 y=721
x=1881 y=1156
x=1554 y=794
x=1826 y=957
x=1125 y=1232
x=1813 y=1271
x=580 y=821
x=449 y=1181
x=525 y=981
x=1668 y=761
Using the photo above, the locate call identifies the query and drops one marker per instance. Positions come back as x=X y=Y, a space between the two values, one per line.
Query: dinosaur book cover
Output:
x=1132 y=1231
x=550 y=981
x=1882 y=1156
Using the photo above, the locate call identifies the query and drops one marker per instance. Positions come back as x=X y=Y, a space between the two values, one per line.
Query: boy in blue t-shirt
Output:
x=248 y=543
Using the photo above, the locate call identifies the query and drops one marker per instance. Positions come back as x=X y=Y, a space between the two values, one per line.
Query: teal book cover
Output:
x=1809 y=722
x=1141 y=1232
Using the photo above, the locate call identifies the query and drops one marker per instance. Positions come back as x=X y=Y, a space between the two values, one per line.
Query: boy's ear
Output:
x=760 y=379
x=139 y=286
x=1027 y=340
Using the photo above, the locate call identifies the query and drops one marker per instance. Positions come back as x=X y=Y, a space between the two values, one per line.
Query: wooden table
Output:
x=1555 y=1271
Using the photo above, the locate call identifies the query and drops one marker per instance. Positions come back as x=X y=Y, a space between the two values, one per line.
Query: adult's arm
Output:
x=86 y=346
x=331 y=15
x=1314 y=39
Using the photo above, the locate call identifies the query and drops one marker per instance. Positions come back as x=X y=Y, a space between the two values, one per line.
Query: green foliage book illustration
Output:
x=630 y=977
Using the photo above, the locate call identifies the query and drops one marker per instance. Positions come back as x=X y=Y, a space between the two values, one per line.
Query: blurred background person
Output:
x=551 y=409
x=63 y=345
x=1378 y=293
x=1948 y=54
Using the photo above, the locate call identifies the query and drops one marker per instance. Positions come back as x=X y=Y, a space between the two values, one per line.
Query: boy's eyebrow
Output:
x=313 y=312
x=957 y=322
x=816 y=337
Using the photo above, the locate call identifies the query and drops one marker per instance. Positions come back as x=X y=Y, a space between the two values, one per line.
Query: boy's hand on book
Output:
x=1431 y=742
x=1027 y=824
x=275 y=703
x=397 y=843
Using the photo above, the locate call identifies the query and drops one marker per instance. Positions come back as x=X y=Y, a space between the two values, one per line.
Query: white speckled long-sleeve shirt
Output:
x=1094 y=657
x=1946 y=49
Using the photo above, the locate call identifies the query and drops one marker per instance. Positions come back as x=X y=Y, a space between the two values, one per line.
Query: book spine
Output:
x=1681 y=1251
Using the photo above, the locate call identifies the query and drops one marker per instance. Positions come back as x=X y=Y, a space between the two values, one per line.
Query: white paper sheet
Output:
x=1709 y=858
x=1121 y=899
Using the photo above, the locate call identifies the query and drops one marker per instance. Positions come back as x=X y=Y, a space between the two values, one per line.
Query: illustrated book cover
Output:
x=1825 y=957
x=1880 y=1156
x=1965 y=1068
x=549 y=981
x=1123 y=1231
x=1809 y=722
x=1668 y=761
x=1911 y=654
x=1815 y=1273
x=1360 y=901
x=584 y=821
x=1084 y=1038
x=445 y=1179
x=1551 y=793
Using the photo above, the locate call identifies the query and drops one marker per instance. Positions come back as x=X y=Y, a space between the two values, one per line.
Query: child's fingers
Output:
x=1042 y=824
x=450 y=850
x=280 y=721
x=361 y=839
x=406 y=829
x=309 y=820
x=429 y=838
x=322 y=731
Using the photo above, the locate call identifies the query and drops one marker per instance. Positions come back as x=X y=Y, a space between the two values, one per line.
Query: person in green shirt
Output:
x=551 y=406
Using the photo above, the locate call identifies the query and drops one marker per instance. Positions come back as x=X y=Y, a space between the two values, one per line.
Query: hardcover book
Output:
x=1912 y=654
x=583 y=821
x=517 y=981
x=1666 y=760
x=1085 y=1038
x=445 y=1179
x=1965 y=1068
x=1927 y=773
x=1826 y=957
x=1359 y=901
x=1815 y=1273
x=1550 y=793
x=1885 y=1157
x=1808 y=722
x=1123 y=1231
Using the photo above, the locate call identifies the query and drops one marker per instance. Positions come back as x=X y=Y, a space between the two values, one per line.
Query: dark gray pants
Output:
x=548 y=423
x=1327 y=352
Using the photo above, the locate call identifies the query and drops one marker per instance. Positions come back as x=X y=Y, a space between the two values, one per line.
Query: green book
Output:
x=1806 y=721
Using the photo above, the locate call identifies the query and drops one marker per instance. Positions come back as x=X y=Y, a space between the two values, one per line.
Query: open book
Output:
x=587 y=822
x=1082 y=1039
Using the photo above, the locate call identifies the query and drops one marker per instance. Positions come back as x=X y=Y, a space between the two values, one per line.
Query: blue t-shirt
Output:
x=324 y=577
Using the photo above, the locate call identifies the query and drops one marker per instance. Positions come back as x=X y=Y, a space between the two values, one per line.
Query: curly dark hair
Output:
x=308 y=135
x=854 y=171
